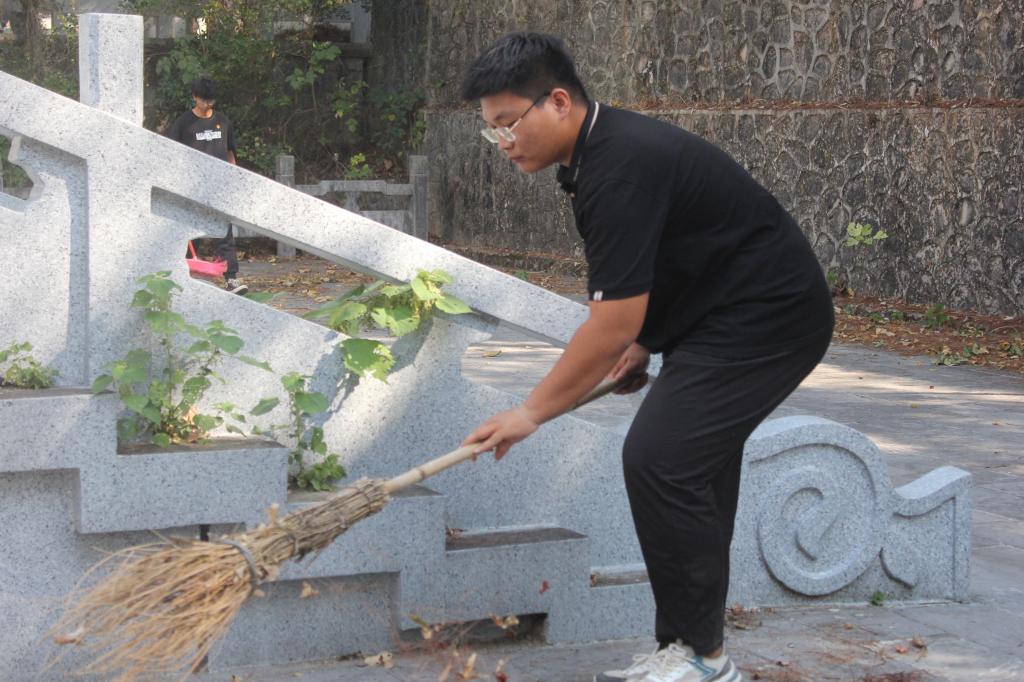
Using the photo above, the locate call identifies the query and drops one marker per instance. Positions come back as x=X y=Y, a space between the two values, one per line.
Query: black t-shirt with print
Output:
x=214 y=135
x=662 y=211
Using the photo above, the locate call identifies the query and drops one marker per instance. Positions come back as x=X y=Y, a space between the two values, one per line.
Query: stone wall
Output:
x=908 y=115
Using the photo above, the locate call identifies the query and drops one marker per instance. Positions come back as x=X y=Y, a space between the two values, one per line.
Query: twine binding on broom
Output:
x=254 y=571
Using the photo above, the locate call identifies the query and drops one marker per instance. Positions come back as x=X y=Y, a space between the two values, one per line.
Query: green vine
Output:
x=24 y=371
x=162 y=408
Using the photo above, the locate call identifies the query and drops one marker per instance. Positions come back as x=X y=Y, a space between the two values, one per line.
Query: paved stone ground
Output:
x=922 y=417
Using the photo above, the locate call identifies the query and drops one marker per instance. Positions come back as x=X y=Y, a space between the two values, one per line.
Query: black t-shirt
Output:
x=214 y=135
x=662 y=211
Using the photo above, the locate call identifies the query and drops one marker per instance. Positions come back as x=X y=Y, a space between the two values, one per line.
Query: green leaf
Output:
x=101 y=383
x=152 y=414
x=193 y=389
x=199 y=347
x=366 y=357
x=436 y=276
x=316 y=443
x=164 y=322
x=136 y=403
x=205 y=423
x=262 y=364
x=452 y=305
x=393 y=290
x=293 y=381
x=142 y=299
x=231 y=428
x=161 y=439
x=399 y=320
x=228 y=344
x=138 y=358
x=346 y=312
x=423 y=290
x=161 y=287
x=159 y=393
x=127 y=429
x=263 y=406
x=311 y=403
x=135 y=374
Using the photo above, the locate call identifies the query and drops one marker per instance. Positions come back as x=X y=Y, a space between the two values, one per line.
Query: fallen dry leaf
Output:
x=545 y=586
x=506 y=622
x=468 y=672
x=492 y=353
x=308 y=590
x=499 y=672
x=918 y=643
x=382 y=660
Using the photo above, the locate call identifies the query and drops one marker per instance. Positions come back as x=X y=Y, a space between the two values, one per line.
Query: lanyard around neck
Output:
x=570 y=186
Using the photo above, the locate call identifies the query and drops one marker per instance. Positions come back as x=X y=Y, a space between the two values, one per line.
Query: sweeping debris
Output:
x=160 y=608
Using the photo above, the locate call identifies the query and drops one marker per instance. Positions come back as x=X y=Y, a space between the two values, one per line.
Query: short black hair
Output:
x=205 y=88
x=525 y=64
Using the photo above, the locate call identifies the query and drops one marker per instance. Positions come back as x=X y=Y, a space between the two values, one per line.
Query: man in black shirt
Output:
x=690 y=257
x=208 y=131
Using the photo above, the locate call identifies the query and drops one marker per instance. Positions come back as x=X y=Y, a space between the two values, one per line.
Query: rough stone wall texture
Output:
x=398 y=34
x=719 y=50
x=906 y=114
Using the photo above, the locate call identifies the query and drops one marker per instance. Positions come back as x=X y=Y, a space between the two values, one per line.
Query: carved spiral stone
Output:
x=822 y=517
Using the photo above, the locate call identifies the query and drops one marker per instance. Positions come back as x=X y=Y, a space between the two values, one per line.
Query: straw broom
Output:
x=162 y=606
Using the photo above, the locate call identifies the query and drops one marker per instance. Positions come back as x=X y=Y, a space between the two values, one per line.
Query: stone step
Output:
x=68 y=426
x=367 y=583
x=141 y=487
x=144 y=487
x=514 y=571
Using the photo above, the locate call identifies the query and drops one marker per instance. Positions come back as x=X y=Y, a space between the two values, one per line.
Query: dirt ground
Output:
x=949 y=337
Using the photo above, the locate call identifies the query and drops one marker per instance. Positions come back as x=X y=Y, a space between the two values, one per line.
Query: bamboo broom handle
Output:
x=434 y=466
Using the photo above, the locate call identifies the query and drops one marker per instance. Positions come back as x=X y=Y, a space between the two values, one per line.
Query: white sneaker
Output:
x=677 y=663
x=236 y=286
x=633 y=672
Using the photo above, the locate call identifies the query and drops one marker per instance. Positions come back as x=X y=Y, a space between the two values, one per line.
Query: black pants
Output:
x=225 y=250
x=682 y=460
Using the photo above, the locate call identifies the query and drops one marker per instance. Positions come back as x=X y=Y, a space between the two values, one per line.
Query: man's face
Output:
x=535 y=146
x=203 y=105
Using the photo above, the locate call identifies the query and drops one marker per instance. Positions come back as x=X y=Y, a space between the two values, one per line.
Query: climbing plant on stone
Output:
x=163 y=407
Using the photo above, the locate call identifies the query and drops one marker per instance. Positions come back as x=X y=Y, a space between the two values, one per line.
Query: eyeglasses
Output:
x=504 y=133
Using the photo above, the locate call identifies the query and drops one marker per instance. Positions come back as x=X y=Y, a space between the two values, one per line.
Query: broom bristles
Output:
x=163 y=606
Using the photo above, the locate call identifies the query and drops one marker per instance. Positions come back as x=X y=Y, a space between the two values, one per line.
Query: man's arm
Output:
x=592 y=352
